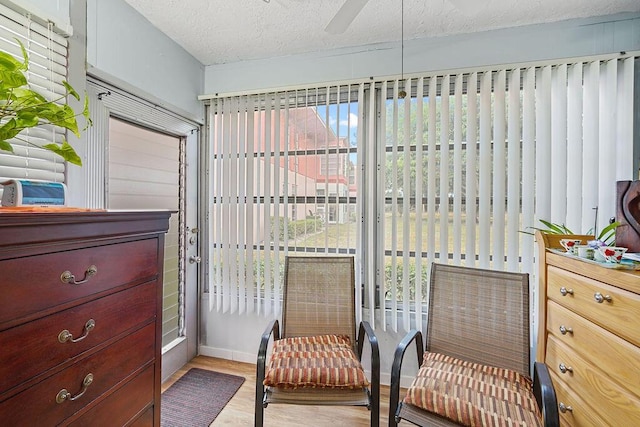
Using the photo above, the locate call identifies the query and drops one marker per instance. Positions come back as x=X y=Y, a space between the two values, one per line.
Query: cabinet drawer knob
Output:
x=564 y=408
x=64 y=395
x=564 y=291
x=65 y=335
x=601 y=298
x=564 y=368
x=564 y=330
x=69 y=278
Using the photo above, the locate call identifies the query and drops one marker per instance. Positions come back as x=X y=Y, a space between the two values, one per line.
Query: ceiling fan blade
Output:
x=347 y=13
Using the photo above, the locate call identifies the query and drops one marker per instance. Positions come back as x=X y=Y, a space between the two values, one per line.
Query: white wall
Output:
x=514 y=45
x=123 y=47
x=236 y=336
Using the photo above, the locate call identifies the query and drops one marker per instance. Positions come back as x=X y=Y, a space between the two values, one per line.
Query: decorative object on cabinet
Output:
x=588 y=336
x=81 y=317
x=476 y=367
x=628 y=215
x=318 y=331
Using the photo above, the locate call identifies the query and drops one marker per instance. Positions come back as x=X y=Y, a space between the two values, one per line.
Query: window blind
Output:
x=474 y=159
x=453 y=173
x=47 y=53
x=283 y=180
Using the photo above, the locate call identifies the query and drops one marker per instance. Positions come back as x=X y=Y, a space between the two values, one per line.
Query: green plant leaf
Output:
x=70 y=90
x=5 y=146
x=65 y=151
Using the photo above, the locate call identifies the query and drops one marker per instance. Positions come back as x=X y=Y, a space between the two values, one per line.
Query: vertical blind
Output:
x=453 y=173
x=283 y=180
x=47 y=51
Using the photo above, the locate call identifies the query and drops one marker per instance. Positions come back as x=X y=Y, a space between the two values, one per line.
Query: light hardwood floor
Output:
x=239 y=411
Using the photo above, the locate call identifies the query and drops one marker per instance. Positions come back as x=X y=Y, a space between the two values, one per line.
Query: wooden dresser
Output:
x=80 y=317
x=589 y=336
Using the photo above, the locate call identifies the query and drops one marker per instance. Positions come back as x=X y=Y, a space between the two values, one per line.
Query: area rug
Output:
x=197 y=398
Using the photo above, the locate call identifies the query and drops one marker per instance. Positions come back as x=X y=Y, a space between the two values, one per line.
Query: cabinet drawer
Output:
x=578 y=414
x=613 y=355
x=612 y=308
x=109 y=367
x=37 y=283
x=112 y=316
x=594 y=386
x=123 y=405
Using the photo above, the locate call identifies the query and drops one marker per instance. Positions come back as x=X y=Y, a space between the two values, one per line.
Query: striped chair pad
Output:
x=324 y=361
x=473 y=394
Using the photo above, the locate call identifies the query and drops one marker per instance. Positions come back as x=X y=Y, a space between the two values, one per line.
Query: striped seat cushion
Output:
x=473 y=394
x=324 y=361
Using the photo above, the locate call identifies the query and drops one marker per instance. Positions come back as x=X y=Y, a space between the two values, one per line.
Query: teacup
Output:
x=584 y=251
x=569 y=244
x=612 y=253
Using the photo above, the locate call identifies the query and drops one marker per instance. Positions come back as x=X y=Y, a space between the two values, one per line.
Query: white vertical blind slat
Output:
x=574 y=146
x=226 y=209
x=484 y=191
x=380 y=207
x=558 y=160
x=607 y=151
x=242 y=207
x=543 y=144
x=420 y=265
x=624 y=150
x=394 y=208
x=234 y=190
x=591 y=126
x=457 y=169
x=529 y=164
x=431 y=169
x=406 y=226
x=472 y=169
x=248 y=108
x=444 y=169
x=514 y=177
x=499 y=170
x=280 y=212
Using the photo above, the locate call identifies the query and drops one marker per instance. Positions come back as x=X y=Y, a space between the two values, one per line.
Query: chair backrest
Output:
x=319 y=296
x=480 y=315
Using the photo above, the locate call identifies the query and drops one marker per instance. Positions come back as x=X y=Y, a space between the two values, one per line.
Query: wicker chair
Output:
x=318 y=336
x=477 y=340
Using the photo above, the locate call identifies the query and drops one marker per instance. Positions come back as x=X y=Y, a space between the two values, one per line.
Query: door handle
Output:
x=194 y=259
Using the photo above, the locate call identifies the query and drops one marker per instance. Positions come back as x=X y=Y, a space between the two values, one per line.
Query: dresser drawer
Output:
x=112 y=315
x=612 y=308
x=577 y=413
x=37 y=406
x=37 y=282
x=123 y=405
x=594 y=386
x=616 y=357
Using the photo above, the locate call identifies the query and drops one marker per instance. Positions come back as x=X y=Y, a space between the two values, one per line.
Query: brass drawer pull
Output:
x=67 y=277
x=564 y=291
x=601 y=298
x=564 y=330
x=65 y=395
x=65 y=335
x=564 y=368
x=564 y=408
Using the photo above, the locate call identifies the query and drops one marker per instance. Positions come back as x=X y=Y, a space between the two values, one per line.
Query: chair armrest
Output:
x=545 y=395
x=394 y=391
x=366 y=329
x=273 y=328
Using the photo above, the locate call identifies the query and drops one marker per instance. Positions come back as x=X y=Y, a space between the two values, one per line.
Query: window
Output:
x=47 y=50
x=453 y=173
x=279 y=184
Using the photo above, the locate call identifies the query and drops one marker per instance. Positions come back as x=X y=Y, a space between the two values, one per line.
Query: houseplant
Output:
x=22 y=108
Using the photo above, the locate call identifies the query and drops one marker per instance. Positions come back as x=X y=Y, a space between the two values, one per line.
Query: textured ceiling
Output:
x=223 y=31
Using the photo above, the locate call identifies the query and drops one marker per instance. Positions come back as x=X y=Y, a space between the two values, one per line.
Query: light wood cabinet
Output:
x=589 y=336
x=80 y=317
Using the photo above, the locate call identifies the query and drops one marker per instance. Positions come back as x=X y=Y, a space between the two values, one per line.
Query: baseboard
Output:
x=222 y=353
